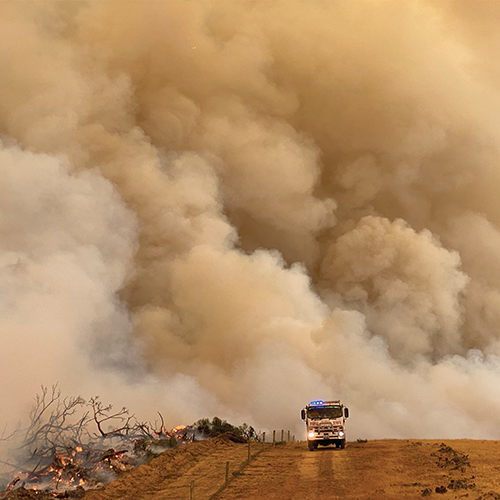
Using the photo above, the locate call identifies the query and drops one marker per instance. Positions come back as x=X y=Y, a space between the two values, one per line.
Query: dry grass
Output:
x=385 y=469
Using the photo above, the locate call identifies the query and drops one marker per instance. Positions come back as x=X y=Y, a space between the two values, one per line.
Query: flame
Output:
x=64 y=460
x=67 y=467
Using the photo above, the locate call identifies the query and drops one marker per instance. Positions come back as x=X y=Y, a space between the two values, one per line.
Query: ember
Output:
x=62 y=454
x=61 y=451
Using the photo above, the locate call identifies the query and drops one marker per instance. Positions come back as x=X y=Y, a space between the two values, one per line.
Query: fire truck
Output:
x=325 y=423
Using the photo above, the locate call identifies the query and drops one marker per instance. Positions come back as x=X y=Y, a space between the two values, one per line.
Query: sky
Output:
x=233 y=208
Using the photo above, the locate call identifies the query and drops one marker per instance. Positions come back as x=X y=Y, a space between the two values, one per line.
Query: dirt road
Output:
x=386 y=469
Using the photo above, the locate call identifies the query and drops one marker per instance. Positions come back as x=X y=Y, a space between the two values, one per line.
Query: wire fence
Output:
x=255 y=448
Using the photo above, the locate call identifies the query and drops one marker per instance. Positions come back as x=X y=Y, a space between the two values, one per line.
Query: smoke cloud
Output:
x=233 y=208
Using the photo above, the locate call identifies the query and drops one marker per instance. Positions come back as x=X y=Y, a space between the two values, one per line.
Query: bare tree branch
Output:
x=102 y=415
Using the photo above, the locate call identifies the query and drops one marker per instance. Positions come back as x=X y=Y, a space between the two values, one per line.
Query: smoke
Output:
x=233 y=208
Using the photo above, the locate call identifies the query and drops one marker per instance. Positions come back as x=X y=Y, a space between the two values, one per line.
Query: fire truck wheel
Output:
x=342 y=443
x=310 y=445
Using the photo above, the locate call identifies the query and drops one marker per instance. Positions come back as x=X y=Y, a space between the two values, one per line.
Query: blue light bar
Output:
x=319 y=402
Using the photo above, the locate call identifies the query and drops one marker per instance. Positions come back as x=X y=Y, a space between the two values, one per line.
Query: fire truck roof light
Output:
x=319 y=402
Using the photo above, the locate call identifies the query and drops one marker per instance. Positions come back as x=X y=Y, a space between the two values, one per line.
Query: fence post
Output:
x=274 y=438
x=227 y=472
x=191 y=491
x=264 y=438
x=288 y=436
x=282 y=432
x=293 y=439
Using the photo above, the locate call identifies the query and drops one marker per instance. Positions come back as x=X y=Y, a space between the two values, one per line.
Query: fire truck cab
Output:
x=325 y=423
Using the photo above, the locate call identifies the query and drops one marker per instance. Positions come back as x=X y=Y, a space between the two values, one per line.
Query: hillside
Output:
x=385 y=469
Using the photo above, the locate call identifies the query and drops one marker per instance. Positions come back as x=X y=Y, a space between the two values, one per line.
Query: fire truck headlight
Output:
x=341 y=434
x=311 y=434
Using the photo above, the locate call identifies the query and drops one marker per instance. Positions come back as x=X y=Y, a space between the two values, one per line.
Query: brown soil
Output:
x=386 y=469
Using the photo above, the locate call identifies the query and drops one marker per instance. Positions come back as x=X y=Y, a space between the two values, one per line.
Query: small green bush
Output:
x=216 y=427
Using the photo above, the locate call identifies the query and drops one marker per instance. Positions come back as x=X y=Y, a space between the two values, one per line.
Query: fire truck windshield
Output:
x=320 y=412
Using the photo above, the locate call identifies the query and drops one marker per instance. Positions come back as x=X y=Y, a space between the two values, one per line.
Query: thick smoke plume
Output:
x=233 y=208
